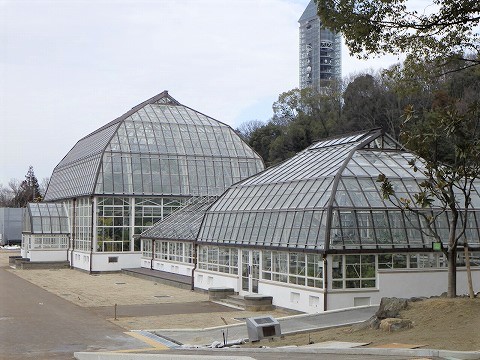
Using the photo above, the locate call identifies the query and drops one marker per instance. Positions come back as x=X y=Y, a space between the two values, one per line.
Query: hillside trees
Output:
x=299 y=118
x=433 y=32
x=370 y=101
x=441 y=45
x=447 y=145
x=445 y=137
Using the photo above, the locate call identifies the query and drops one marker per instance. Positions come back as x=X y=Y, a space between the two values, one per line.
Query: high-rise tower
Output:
x=320 y=51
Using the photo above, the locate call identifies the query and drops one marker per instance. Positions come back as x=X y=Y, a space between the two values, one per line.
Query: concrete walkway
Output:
x=288 y=325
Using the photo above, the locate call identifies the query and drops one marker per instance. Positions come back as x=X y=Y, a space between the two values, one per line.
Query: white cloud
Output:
x=69 y=67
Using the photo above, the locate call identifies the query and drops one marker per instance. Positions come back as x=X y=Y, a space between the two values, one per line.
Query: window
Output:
x=294 y=268
x=392 y=261
x=221 y=259
x=172 y=250
x=113 y=220
x=353 y=271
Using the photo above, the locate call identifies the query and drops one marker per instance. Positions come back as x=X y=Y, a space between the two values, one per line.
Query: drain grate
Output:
x=120 y=283
x=161 y=296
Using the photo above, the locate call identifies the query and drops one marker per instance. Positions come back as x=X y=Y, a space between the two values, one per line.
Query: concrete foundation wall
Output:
x=290 y=297
x=105 y=262
x=102 y=262
x=47 y=255
x=170 y=266
x=425 y=282
x=206 y=279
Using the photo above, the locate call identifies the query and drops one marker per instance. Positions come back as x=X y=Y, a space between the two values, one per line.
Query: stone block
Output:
x=218 y=293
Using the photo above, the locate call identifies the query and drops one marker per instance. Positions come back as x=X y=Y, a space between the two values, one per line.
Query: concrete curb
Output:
x=228 y=354
x=280 y=319
x=449 y=354
x=121 y=356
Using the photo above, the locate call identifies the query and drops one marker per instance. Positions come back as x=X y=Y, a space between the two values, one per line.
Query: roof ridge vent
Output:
x=165 y=99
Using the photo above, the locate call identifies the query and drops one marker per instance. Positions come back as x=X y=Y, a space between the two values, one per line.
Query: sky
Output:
x=68 y=67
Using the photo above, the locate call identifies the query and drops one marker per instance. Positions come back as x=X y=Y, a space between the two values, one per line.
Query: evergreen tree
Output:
x=29 y=190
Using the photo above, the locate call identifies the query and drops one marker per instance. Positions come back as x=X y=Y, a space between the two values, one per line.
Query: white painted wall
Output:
x=288 y=296
x=352 y=297
x=47 y=255
x=170 y=266
x=205 y=279
x=125 y=260
x=81 y=260
x=424 y=282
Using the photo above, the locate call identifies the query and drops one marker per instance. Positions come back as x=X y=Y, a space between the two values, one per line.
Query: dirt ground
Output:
x=452 y=324
x=93 y=291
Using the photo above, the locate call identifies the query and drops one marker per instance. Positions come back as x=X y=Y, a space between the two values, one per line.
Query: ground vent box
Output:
x=262 y=327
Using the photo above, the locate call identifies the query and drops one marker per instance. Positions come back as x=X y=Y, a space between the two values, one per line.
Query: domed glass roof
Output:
x=160 y=147
x=327 y=197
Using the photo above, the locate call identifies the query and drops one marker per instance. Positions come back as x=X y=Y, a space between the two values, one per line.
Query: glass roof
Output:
x=183 y=224
x=46 y=218
x=160 y=147
x=327 y=197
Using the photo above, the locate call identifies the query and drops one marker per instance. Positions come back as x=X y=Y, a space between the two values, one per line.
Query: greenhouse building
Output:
x=132 y=172
x=315 y=232
x=46 y=232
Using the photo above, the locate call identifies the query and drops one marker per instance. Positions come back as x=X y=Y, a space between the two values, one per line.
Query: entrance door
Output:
x=250 y=270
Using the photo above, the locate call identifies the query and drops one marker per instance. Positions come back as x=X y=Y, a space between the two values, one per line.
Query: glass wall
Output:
x=83 y=224
x=220 y=259
x=169 y=250
x=293 y=268
x=119 y=218
x=113 y=225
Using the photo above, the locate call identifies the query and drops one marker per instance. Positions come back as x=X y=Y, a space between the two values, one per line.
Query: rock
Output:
x=415 y=299
x=395 y=324
x=372 y=323
x=390 y=307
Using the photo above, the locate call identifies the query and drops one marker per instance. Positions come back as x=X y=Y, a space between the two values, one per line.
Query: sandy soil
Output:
x=452 y=324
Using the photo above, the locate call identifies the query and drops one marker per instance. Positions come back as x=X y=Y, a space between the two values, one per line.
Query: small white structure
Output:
x=46 y=232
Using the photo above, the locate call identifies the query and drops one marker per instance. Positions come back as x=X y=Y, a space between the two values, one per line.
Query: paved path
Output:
x=35 y=324
x=292 y=324
x=160 y=309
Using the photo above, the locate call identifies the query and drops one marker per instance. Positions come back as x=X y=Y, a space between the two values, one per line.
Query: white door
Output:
x=250 y=271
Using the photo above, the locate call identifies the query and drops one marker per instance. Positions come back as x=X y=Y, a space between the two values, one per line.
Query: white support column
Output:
x=132 y=223
x=94 y=224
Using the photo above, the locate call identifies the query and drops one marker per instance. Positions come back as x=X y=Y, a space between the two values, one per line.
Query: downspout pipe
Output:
x=153 y=254
x=192 y=288
x=91 y=233
x=74 y=222
x=325 y=282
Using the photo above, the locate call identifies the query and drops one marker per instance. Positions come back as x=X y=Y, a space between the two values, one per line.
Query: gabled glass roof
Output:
x=46 y=218
x=160 y=147
x=327 y=197
x=183 y=224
